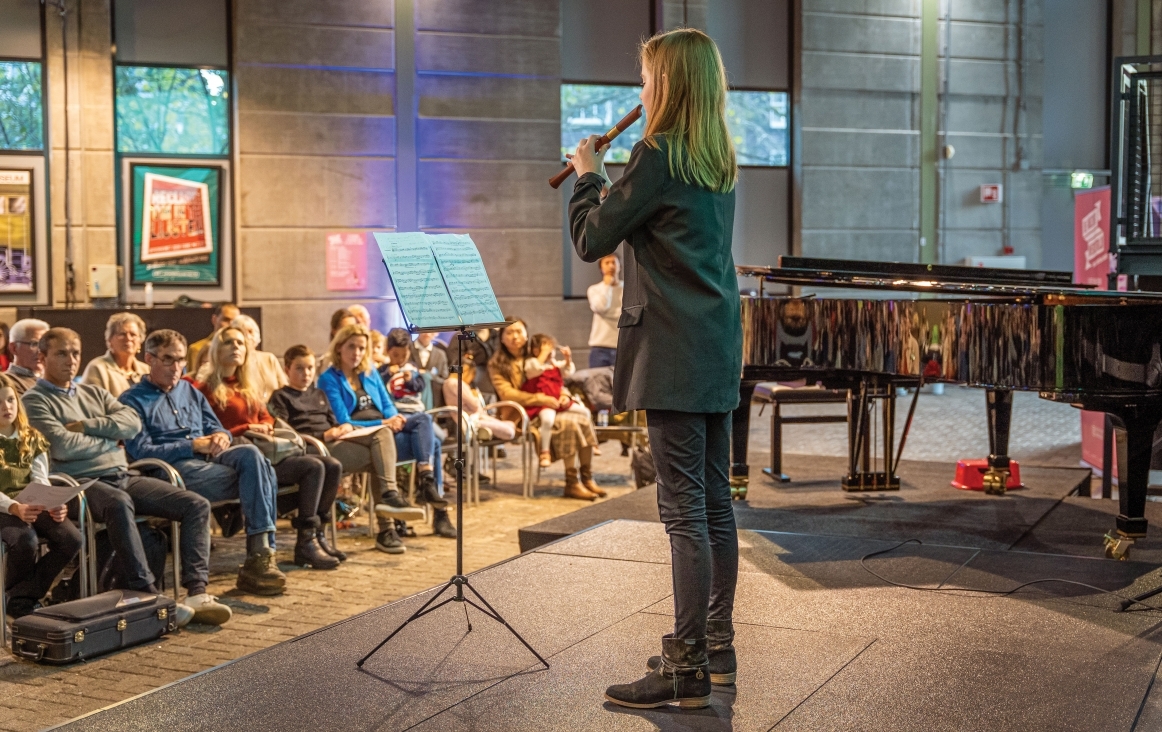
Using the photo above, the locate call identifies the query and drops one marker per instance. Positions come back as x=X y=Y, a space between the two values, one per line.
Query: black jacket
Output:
x=680 y=341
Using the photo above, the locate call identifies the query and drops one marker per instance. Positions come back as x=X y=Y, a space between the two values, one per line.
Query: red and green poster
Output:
x=175 y=224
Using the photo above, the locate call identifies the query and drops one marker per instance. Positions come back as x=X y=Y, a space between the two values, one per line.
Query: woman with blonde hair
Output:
x=679 y=342
x=229 y=386
x=268 y=373
x=119 y=368
x=359 y=398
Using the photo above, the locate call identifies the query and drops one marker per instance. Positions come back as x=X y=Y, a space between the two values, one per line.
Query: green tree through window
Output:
x=21 y=109
x=174 y=111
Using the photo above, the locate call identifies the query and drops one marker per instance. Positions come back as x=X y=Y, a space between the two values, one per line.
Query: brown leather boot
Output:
x=574 y=489
x=589 y=483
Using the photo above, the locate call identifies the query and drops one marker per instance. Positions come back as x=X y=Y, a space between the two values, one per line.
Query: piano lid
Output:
x=933 y=278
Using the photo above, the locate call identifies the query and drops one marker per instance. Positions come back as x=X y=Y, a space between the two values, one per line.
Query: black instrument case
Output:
x=92 y=626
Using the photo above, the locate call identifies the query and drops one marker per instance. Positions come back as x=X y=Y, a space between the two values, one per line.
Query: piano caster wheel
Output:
x=738 y=492
x=1118 y=547
x=995 y=480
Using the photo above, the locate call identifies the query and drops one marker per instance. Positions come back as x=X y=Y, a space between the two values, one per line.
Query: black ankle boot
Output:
x=719 y=651
x=321 y=540
x=681 y=677
x=307 y=550
x=427 y=491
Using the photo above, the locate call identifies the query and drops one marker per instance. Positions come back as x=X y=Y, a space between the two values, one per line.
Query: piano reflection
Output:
x=1000 y=330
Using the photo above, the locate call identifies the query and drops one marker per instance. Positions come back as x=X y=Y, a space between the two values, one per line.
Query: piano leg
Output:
x=740 y=433
x=1139 y=423
x=999 y=403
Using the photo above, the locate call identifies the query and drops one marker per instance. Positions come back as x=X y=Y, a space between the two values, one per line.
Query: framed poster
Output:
x=17 y=231
x=176 y=225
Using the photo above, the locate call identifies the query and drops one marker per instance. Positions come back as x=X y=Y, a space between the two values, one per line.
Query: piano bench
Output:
x=776 y=395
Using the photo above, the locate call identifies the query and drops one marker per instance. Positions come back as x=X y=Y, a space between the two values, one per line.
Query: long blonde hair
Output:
x=346 y=333
x=211 y=373
x=30 y=442
x=689 y=108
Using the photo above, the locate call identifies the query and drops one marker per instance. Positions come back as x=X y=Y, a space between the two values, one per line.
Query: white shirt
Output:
x=605 y=302
x=424 y=353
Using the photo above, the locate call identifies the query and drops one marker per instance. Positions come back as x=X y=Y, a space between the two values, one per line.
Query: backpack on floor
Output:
x=642 y=465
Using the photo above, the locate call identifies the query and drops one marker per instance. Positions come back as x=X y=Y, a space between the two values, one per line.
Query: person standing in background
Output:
x=605 y=302
x=222 y=316
x=119 y=368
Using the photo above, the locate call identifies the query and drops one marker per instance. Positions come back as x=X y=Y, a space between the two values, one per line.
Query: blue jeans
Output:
x=241 y=472
x=417 y=441
x=600 y=356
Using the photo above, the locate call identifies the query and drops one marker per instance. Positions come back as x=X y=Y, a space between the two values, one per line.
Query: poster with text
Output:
x=175 y=217
x=16 y=231
x=346 y=261
x=1091 y=266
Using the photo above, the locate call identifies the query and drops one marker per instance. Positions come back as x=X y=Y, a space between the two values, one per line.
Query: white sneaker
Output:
x=207 y=610
x=183 y=614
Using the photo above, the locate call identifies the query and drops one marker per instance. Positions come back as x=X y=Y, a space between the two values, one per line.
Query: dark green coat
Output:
x=679 y=346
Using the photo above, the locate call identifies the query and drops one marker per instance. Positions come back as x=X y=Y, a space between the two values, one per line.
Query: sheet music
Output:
x=466 y=278
x=416 y=277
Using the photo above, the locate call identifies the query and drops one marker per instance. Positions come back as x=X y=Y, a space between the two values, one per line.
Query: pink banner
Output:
x=1091 y=266
x=346 y=261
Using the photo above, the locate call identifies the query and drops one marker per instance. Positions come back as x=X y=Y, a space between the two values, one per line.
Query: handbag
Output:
x=279 y=446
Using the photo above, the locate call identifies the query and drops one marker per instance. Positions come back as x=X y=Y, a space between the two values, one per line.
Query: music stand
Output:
x=466 y=332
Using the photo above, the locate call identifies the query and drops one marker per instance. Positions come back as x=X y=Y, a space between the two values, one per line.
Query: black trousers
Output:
x=26 y=576
x=318 y=481
x=692 y=456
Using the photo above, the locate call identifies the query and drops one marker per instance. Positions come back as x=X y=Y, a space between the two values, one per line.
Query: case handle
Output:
x=18 y=646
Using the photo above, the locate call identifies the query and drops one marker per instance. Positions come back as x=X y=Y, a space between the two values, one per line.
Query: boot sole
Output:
x=403 y=514
x=262 y=591
x=391 y=550
x=715 y=679
x=692 y=702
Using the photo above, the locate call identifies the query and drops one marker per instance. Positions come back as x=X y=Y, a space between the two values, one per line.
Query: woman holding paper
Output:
x=24 y=460
x=679 y=343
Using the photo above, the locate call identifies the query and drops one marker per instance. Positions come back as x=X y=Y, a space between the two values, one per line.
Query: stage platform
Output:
x=822 y=643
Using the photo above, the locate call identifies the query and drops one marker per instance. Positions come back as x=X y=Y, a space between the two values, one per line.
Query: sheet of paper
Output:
x=50 y=496
x=466 y=278
x=415 y=276
x=362 y=431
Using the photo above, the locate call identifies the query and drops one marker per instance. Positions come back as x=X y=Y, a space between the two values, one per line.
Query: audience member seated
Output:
x=485 y=425
x=431 y=358
x=402 y=377
x=362 y=315
x=196 y=354
x=5 y=360
x=229 y=386
x=546 y=375
x=24 y=460
x=25 y=368
x=573 y=437
x=179 y=427
x=83 y=424
x=119 y=368
x=305 y=408
x=358 y=397
x=378 y=350
x=267 y=369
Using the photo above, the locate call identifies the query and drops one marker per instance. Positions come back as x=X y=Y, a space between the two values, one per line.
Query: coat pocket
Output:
x=630 y=315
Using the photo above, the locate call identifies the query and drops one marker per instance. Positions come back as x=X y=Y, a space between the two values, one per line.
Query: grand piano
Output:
x=998 y=329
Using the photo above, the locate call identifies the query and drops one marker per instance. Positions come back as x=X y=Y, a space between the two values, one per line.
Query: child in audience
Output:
x=403 y=379
x=487 y=427
x=546 y=375
x=378 y=349
x=24 y=460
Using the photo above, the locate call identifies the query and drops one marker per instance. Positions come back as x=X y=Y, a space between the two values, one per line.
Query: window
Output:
x=758 y=127
x=757 y=121
x=172 y=110
x=591 y=109
x=21 y=109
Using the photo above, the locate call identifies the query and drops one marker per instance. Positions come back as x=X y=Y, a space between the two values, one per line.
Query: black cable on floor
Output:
x=960 y=591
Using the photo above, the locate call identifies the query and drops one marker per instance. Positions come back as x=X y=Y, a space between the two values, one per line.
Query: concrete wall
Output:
x=860 y=85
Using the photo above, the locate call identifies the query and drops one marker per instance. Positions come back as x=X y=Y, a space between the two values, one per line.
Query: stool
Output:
x=776 y=395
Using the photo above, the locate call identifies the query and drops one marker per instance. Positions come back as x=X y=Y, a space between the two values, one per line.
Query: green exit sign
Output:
x=1081 y=180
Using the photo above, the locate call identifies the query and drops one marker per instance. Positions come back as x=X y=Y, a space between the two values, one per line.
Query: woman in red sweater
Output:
x=229 y=387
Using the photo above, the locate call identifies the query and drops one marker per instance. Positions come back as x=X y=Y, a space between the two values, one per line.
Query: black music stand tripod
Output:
x=459 y=581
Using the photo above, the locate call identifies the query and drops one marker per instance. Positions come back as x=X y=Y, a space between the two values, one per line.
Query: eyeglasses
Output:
x=30 y=344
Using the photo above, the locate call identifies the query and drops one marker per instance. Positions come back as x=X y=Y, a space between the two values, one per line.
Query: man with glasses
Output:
x=24 y=346
x=179 y=427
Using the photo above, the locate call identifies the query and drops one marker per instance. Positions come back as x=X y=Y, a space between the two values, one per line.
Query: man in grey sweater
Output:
x=83 y=424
